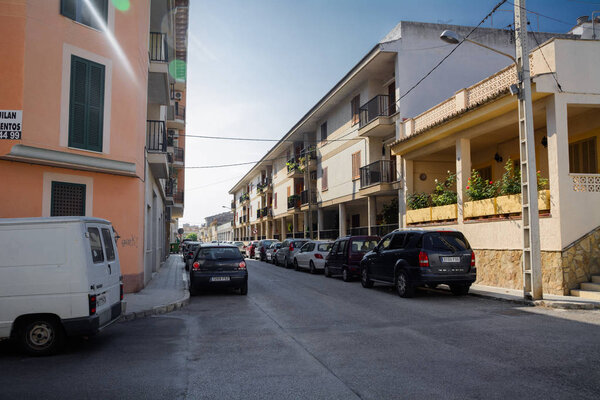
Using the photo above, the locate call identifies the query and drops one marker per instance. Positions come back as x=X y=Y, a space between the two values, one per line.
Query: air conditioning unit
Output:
x=178 y=95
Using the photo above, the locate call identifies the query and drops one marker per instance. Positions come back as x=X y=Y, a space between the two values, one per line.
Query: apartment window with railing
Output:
x=356 y=165
x=86 y=104
x=583 y=156
x=79 y=11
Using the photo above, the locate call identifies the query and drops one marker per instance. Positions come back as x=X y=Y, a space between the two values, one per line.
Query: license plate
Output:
x=100 y=300
x=219 y=279
x=450 y=259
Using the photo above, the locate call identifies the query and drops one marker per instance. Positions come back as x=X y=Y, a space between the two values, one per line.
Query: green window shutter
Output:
x=68 y=8
x=86 y=104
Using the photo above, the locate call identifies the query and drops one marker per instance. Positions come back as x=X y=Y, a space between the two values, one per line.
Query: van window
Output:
x=96 y=245
x=342 y=247
x=362 y=246
x=108 y=244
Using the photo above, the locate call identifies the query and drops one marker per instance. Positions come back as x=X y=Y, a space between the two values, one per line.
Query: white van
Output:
x=58 y=276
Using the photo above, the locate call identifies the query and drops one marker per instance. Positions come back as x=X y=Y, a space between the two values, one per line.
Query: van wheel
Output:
x=326 y=271
x=460 y=289
x=41 y=336
x=365 y=281
x=403 y=287
x=346 y=275
x=311 y=267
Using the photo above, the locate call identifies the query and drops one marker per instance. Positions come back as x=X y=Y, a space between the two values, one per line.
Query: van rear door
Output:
x=104 y=271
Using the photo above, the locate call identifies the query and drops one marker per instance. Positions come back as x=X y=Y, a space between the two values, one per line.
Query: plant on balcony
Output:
x=511 y=179
x=444 y=192
x=294 y=197
x=390 y=212
x=416 y=201
x=479 y=188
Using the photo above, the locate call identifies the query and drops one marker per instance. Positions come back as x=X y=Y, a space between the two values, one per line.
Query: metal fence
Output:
x=378 y=172
x=378 y=106
x=178 y=154
x=158 y=47
x=156 y=136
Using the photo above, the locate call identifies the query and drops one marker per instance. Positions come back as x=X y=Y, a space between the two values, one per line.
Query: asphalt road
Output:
x=302 y=336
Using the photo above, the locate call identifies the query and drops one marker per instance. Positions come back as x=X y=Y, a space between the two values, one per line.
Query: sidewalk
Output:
x=550 y=300
x=167 y=291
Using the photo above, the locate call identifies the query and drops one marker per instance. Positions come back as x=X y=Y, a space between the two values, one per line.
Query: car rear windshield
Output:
x=267 y=243
x=219 y=253
x=363 y=245
x=299 y=243
x=445 y=241
x=325 y=246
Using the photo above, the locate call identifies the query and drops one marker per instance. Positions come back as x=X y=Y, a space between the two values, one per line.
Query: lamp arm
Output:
x=494 y=50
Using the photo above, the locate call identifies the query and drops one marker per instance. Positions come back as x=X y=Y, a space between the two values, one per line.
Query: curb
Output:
x=157 y=310
x=555 y=304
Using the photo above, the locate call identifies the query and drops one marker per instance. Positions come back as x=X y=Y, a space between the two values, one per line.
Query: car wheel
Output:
x=286 y=264
x=460 y=289
x=365 y=281
x=403 y=287
x=311 y=267
x=244 y=289
x=41 y=336
x=296 y=267
x=326 y=271
x=346 y=275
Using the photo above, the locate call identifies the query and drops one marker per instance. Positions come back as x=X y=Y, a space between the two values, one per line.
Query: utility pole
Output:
x=532 y=265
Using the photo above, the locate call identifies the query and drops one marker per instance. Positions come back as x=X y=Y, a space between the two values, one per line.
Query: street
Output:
x=298 y=335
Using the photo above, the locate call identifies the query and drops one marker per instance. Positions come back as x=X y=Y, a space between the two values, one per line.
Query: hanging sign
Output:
x=10 y=124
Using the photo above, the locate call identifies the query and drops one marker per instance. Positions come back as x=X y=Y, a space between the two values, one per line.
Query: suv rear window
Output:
x=219 y=253
x=362 y=246
x=445 y=241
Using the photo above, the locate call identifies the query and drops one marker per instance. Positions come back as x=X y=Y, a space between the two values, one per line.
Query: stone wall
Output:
x=561 y=271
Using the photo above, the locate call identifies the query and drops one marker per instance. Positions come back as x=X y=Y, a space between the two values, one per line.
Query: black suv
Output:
x=411 y=258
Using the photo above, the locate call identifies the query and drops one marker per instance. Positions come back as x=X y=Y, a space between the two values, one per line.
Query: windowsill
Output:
x=86 y=150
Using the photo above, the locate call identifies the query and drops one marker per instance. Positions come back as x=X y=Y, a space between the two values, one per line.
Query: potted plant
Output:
x=444 y=199
x=509 y=201
x=482 y=193
x=420 y=211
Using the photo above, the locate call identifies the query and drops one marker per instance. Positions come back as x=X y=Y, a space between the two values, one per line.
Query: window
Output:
x=78 y=10
x=355 y=107
x=324 y=179
x=95 y=245
x=67 y=199
x=583 y=157
x=445 y=241
x=356 y=165
x=108 y=244
x=86 y=108
x=392 y=98
x=398 y=241
x=342 y=247
x=325 y=246
x=324 y=131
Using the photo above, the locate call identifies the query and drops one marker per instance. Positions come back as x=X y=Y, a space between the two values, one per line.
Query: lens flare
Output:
x=121 y=5
x=177 y=69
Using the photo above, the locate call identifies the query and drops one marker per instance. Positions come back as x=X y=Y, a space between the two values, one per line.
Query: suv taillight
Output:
x=423 y=260
x=292 y=246
x=242 y=265
x=472 y=259
x=92 y=303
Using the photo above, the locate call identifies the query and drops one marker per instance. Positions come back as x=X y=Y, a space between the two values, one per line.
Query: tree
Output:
x=390 y=212
x=192 y=236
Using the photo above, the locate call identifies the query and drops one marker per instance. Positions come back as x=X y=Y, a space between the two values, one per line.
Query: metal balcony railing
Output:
x=378 y=172
x=178 y=197
x=178 y=154
x=378 y=106
x=158 y=47
x=156 y=136
x=304 y=197
x=244 y=197
x=179 y=111
x=233 y=204
x=309 y=153
x=169 y=186
x=292 y=165
x=293 y=201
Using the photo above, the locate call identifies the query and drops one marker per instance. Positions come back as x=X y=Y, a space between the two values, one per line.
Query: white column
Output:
x=371 y=212
x=305 y=223
x=283 y=229
x=319 y=222
x=463 y=172
x=406 y=188
x=342 y=214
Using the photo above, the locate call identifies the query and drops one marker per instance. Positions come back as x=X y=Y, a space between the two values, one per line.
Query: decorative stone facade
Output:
x=561 y=271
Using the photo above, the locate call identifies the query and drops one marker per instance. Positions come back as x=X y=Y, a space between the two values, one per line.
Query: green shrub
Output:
x=479 y=189
x=445 y=192
x=417 y=201
x=511 y=179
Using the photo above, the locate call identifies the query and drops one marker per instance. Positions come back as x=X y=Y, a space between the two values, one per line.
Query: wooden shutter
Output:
x=275 y=200
x=324 y=183
x=583 y=157
x=355 y=105
x=356 y=165
x=289 y=190
x=95 y=106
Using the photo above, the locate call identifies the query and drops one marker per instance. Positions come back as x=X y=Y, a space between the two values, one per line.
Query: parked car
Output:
x=241 y=246
x=411 y=258
x=218 y=265
x=190 y=249
x=69 y=285
x=260 y=252
x=346 y=254
x=289 y=247
x=250 y=249
x=312 y=256
x=271 y=250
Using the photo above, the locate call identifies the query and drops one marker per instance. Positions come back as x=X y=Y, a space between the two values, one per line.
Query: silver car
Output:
x=289 y=248
x=312 y=256
x=271 y=250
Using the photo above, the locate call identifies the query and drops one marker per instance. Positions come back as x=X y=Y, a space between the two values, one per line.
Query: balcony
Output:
x=156 y=147
x=264 y=187
x=177 y=208
x=158 y=70
x=304 y=203
x=244 y=197
x=375 y=118
x=294 y=169
x=169 y=186
x=233 y=204
x=158 y=50
x=378 y=177
x=293 y=201
x=178 y=156
x=176 y=116
x=308 y=158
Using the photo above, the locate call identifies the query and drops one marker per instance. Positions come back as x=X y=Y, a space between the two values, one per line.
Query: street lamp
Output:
x=532 y=263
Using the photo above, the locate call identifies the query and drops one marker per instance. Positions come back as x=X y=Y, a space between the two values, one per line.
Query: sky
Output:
x=255 y=67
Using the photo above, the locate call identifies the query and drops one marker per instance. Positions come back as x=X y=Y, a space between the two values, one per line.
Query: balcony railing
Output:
x=382 y=230
x=178 y=197
x=329 y=234
x=178 y=154
x=179 y=112
x=156 y=138
x=304 y=197
x=263 y=186
x=292 y=165
x=378 y=172
x=293 y=201
x=233 y=204
x=378 y=106
x=309 y=153
x=158 y=47
x=169 y=186
x=244 y=197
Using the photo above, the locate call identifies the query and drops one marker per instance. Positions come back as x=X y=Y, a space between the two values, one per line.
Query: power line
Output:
x=547 y=64
x=246 y=139
x=542 y=15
